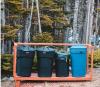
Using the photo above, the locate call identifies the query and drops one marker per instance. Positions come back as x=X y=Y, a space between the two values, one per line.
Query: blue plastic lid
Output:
x=78 y=49
x=25 y=48
x=78 y=46
x=47 y=49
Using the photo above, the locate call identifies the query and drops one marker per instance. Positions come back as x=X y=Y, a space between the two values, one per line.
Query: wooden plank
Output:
x=69 y=78
x=36 y=78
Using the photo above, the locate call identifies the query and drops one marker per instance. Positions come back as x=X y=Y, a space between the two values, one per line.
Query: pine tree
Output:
x=13 y=16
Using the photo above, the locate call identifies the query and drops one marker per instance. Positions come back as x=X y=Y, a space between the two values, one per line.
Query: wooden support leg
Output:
x=17 y=83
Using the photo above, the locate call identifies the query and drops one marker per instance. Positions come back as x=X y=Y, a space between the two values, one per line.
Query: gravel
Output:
x=9 y=82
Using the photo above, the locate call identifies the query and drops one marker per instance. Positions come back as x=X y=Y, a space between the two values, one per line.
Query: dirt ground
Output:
x=94 y=83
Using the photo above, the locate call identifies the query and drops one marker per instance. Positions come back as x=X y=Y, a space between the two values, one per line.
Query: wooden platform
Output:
x=34 y=76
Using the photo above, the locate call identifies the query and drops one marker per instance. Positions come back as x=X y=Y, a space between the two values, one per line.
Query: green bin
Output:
x=45 y=58
x=61 y=65
x=25 y=56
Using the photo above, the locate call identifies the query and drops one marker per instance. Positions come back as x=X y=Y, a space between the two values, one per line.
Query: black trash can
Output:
x=45 y=57
x=25 y=56
x=61 y=65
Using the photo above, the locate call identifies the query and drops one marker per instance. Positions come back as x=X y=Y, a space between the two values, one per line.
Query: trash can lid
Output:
x=78 y=49
x=62 y=55
x=25 y=48
x=78 y=46
x=47 y=49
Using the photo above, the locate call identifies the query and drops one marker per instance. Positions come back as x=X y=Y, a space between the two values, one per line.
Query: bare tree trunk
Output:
x=91 y=21
x=9 y=47
x=2 y=22
x=68 y=8
x=28 y=24
x=27 y=4
x=88 y=21
x=75 y=21
x=2 y=44
x=90 y=7
x=39 y=23
x=2 y=13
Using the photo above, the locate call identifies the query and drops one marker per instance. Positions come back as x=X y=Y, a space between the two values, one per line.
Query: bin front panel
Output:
x=45 y=67
x=79 y=65
x=78 y=61
x=45 y=57
x=62 y=69
x=45 y=62
x=61 y=66
x=25 y=56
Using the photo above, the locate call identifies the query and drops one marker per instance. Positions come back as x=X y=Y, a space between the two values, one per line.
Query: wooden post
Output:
x=17 y=82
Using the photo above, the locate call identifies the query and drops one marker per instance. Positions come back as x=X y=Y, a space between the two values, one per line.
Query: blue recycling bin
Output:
x=25 y=56
x=78 y=55
x=61 y=65
x=45 y=58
